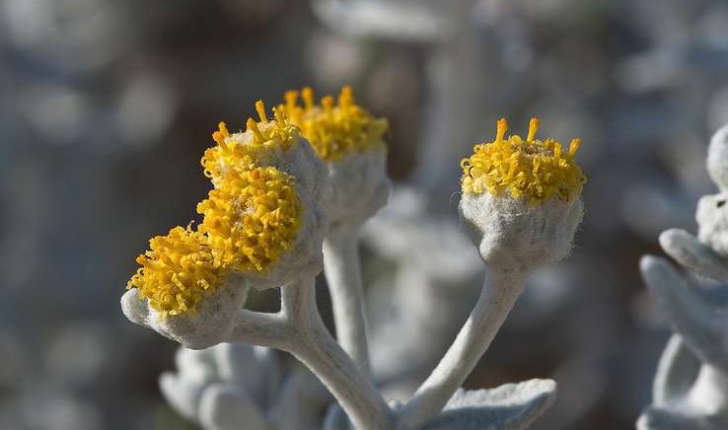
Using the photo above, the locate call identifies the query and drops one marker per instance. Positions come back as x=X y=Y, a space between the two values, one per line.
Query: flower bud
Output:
x=521 y=199
x=185 y=308
x=350 y=142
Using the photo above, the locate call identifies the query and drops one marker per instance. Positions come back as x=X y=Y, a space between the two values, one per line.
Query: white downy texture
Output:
x=226 y=387
x=212 y=323
x=515 y=233
x=693 y=254
x=691 y=386
x=507 y=407
x=712 y=217
x=184 y=389
x=356 y=188
x=718 y=158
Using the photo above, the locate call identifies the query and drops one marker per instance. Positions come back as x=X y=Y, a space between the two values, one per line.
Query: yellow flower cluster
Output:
x=532 y=169
x=176 y=271
x=264 y=141
x=335 y=130
x=249 y=219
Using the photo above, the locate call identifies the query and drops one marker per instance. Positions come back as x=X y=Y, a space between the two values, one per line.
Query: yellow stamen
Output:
x=532 y=128
x=279 y=115
x=220 y=135
x=328 y=104
x=346 y=96
x=291 y=98
x=253 y=126
x=501 y=129
x=573 y=147
x=260 y=108
x=308 y=100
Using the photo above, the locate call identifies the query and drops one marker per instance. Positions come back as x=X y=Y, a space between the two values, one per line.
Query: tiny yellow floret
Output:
x=261 y=142
x=176 y=272
x=335 y=129
x=532 y=169
x=251 y=218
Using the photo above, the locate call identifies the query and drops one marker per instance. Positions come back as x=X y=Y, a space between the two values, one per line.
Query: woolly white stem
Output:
x=319 y=351
x=263 y=329
x=343 y=275
x=500 y=291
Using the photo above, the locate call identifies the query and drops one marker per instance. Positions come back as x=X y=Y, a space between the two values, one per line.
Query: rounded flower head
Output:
x=265 y=143
x=350 y=142
x=181 y=293
x=262 y=227
x=176 y=272
x=335 y=129
x=261 y=144
x=531 y=168
x=521 y=198
x=263 y=217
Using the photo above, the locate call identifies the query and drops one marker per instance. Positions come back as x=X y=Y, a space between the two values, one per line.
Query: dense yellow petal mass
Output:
x=251 y=218
x=335 y=129
x=532 y=169
x=176 y=272
x=261 y=143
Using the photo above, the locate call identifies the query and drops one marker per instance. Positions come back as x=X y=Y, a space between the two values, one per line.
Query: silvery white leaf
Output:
x=229 y=407
x=508 y=407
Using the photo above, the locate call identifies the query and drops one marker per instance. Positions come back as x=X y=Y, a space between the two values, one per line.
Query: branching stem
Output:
x=298 y=329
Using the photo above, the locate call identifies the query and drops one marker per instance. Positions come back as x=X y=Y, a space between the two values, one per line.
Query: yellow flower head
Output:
x=261 y=143
x=335 y=129
x=176 y=272
x=251 y=218
x=531 y=168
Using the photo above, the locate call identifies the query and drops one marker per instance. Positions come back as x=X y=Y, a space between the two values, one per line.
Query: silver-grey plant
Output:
x=691 y=385
x=521 y=206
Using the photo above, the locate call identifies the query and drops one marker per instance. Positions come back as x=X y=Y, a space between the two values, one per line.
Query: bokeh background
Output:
x=106 y=107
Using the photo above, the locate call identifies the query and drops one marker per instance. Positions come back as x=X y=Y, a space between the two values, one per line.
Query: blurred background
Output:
x=106 y=107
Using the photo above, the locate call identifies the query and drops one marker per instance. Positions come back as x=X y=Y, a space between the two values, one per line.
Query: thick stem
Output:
x=502 y=288
x=343 y=275
x=262 y=329
x=314 y=347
